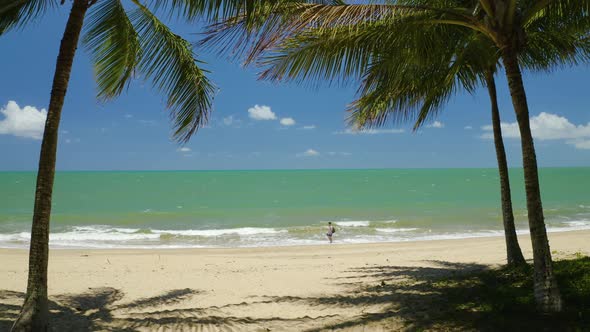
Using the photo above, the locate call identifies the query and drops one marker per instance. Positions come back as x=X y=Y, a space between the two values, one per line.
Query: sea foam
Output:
x=104 y=236
x=395 y=230
x=356 y=223
x=219 y=232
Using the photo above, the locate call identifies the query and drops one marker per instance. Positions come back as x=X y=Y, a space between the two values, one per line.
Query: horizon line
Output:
x=280 y=169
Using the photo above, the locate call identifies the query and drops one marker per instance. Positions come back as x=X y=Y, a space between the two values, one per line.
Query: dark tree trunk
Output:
x=34 y=313
x=513 y=252
x=546 y=290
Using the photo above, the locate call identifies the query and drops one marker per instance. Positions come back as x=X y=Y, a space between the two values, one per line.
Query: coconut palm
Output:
x=510 y=26
x=468 y=60
x=463 y=69
x=513 y=251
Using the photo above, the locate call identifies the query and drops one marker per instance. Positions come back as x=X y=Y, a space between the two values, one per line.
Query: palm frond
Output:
x=215 y=10
x=395 y=88
x=559 y=11
x=269 y=24
x=250 y=35
x=195 y=9
x=342 y=53
x=17 y=13
x=557 y=34
x=169 y=62
x=339 y=54
x=114 y=45
x=551 y=50
x=395 y=93
x=392 y=47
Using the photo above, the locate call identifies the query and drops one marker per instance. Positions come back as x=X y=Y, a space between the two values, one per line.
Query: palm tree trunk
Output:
x=34 y=313
x=513 y=252
x=546 y=290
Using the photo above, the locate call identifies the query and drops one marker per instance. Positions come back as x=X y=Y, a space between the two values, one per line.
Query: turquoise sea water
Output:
x=291 y=207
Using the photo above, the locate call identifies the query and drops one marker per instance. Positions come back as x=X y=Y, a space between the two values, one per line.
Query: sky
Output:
x=263 y=125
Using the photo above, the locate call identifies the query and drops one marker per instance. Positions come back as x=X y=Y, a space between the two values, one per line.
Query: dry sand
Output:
x=309 y=288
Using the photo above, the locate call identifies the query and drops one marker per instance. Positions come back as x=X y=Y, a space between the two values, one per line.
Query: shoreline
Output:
x=317 y=245
x=249 y=289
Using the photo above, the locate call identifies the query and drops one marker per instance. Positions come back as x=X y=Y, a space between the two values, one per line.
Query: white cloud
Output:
x=436 y=124
x=69 y=140
x=287 y=121
x=261 y=113
x=308 y=127
x=581 y=144
x=184 y=149
x=22 y=122
x=128 y=116
x=228 y=120
x=468 y=127
x=547 y=126
x=309 y=153
x=369 y=131
x=343 y=154
x=148 y=122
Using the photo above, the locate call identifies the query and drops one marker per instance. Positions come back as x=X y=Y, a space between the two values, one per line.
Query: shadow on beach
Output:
x=444 y=296
x=96 y=310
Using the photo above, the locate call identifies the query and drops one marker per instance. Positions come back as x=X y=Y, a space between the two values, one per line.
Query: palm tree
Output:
x=122 y=42
x=513 y=251
x=467 y=67
x=468 y=63
x=508 y=25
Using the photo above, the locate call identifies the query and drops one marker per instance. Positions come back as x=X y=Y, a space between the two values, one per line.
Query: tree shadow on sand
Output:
x=454 y=296
x=97 y=310
x=445 y=296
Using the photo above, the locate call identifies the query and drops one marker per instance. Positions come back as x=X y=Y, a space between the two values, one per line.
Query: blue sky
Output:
x=133 y=132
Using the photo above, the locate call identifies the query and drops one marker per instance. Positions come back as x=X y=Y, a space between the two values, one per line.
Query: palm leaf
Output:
x=114 y=45
x=215 y=10
x=17 y=13
x=564 y=12
x=337 y=54
x=271 y=23
x=169 y=62
x=311 y=42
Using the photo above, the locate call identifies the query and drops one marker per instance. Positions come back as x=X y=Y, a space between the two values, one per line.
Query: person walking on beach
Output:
x=331 y=230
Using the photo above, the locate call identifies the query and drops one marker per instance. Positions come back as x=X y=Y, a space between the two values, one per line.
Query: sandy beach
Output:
x=260 y=289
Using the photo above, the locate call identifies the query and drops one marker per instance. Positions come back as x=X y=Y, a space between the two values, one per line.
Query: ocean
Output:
x=197 y=209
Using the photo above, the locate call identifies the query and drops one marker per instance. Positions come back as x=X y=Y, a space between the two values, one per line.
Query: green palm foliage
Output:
x=122 y=45
x=376 y=44
x=132 y=42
